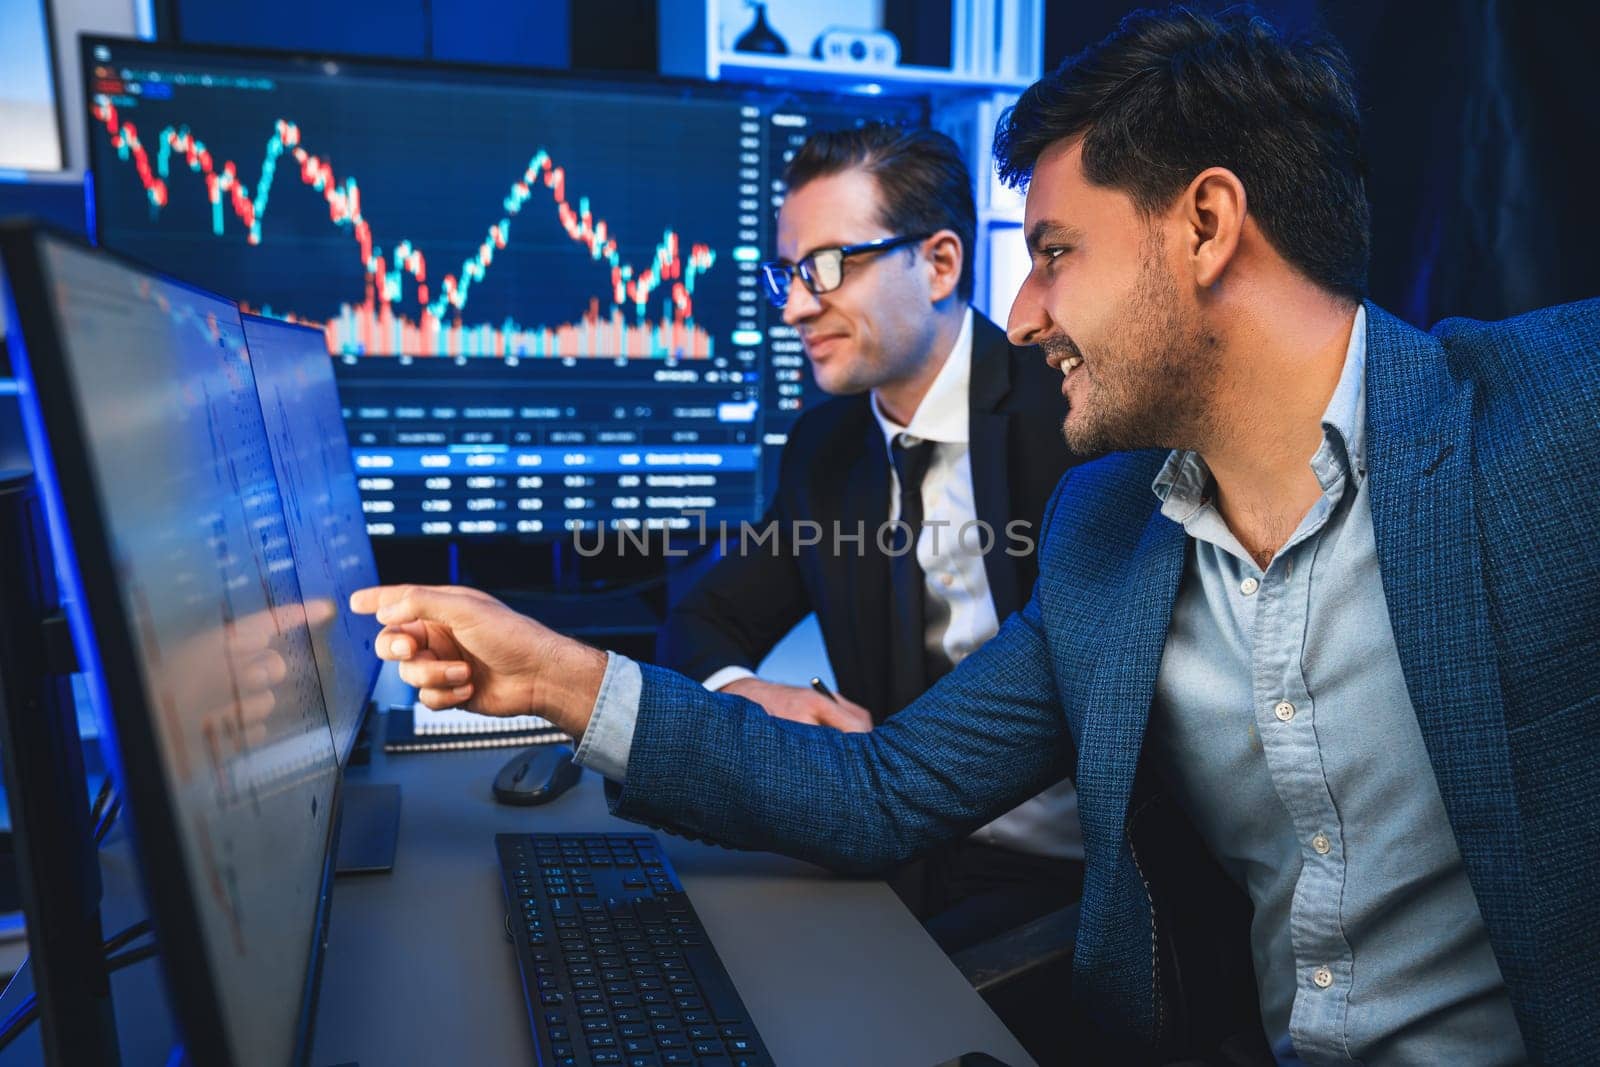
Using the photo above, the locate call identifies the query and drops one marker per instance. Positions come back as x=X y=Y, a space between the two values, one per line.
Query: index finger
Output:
x=367 y=601
x=375 y=598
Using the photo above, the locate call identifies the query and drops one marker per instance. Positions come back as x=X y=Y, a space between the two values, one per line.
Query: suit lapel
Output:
x=1425 y=525
x=988 y=431
x=1129 y=639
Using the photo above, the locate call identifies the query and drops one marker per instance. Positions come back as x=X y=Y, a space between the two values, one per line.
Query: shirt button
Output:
x=1284 y=711
x=947 y=580
x=1321 y=844
x=1322 y=977
x=1249 y=586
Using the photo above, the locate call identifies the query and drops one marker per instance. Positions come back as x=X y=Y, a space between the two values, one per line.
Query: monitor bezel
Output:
x=67 y=474
x=423 y=70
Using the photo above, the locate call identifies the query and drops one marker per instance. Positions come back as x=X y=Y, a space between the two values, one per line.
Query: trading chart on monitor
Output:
x=542 y=293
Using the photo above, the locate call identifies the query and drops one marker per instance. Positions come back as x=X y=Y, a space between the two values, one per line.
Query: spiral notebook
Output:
x=419 y=728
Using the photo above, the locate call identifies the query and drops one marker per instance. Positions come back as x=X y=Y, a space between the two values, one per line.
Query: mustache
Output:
x=1061 y=345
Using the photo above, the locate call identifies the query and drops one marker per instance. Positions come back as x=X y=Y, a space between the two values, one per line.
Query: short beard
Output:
x=1150 y=388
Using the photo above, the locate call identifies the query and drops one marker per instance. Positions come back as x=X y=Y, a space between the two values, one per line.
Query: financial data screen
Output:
x=322 y=511
x=542 y=294
x=183 y=474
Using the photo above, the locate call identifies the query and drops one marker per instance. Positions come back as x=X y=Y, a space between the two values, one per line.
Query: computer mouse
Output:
x=537 y=775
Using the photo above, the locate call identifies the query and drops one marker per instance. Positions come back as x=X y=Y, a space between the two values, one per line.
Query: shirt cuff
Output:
x=608 y=742
x=727 y=676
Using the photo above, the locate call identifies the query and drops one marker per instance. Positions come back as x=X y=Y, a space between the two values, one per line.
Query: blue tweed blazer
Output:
x=1484 y=449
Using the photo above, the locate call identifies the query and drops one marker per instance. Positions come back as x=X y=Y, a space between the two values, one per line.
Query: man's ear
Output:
x=1213 y=211
x=942 y=252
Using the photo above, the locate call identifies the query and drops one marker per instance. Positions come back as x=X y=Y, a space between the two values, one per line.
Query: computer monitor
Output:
x=543 y=289
x=141 y=407
x=322 y=510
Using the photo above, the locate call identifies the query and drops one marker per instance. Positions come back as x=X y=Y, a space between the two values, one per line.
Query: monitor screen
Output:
x=322 y=510
x=155 y=460
x=543 y=290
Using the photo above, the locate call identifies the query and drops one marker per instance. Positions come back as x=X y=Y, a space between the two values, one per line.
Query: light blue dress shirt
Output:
x=1282 y=720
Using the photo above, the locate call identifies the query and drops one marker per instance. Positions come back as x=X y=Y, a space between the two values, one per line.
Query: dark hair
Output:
x=922 y=179
x=1171 y=93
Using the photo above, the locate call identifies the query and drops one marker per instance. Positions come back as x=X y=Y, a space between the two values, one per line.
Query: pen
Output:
x=820 y=686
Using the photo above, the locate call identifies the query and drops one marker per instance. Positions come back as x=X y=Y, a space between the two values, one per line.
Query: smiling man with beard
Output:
x=1319 y=642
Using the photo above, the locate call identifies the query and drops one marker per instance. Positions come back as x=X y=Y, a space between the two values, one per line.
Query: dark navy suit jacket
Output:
x=1484 y=451
x=835 y=474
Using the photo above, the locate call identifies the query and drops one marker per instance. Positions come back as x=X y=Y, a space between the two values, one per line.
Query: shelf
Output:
x=802 y=72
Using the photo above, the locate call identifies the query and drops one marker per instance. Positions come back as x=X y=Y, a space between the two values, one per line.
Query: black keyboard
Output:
x=616 y=968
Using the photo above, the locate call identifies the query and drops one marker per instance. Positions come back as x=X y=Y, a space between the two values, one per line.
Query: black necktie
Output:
x=911 y=671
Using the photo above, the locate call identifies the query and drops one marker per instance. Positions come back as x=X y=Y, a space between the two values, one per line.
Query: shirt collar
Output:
x=1183 y=483
x=1345 y=420
x=942 y=415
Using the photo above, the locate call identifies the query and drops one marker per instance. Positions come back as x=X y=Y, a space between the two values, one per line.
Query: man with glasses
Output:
x=939 y=425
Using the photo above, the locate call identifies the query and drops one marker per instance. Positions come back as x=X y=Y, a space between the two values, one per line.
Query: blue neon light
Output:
x=68 y=578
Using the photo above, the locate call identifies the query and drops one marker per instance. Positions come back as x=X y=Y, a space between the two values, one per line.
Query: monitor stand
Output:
x=369 y=827
x=58 y=862
x=369 y=813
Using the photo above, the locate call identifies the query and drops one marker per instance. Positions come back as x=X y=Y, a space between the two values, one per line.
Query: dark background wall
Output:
x=584 y=34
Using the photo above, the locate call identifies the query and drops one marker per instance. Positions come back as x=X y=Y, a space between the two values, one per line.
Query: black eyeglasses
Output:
x=823 y=270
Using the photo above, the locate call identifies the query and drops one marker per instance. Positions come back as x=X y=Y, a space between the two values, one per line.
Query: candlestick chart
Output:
x=413 y=226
